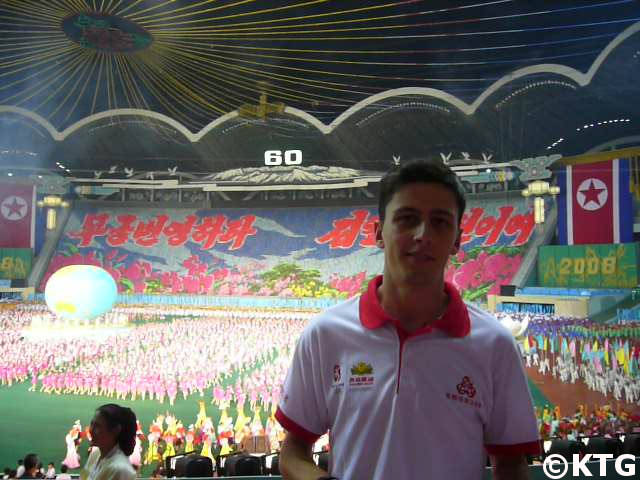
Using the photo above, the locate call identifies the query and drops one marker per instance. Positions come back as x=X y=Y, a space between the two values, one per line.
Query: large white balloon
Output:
x=80 y=292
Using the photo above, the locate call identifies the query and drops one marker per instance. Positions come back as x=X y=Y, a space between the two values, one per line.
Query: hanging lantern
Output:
x=51 y=202
x=538 y=189
x=538 y=210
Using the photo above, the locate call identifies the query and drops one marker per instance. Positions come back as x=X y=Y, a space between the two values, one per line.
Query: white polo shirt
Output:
x=424 y=405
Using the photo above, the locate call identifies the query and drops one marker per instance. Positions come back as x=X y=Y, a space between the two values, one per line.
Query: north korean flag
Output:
x=595 y=204
x=17 y=215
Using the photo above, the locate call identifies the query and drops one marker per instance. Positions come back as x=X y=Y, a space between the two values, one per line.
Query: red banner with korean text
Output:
x=314 y=252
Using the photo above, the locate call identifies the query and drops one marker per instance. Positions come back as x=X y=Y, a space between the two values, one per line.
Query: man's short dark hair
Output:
x=31 y=461
x=419 y=171
x=64 y=468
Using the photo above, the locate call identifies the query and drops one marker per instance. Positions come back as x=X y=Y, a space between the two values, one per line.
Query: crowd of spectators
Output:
x=32 y=467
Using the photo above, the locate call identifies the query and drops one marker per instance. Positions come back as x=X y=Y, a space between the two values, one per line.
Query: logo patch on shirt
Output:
x=337 y=375
x=361 y=375
x=466 y=387
x=466 y=393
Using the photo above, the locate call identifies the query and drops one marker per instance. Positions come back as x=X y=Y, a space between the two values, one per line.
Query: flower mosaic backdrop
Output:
x=275 y=252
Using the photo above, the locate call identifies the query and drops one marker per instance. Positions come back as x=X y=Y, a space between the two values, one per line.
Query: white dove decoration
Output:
x=172 y=171
x=128 y=172
x=97 y=174
x=113 y=169
x=487 y=157
x=396 y=160
x=516 y=327
x=150 y=175
x=466 y=156
x=445 y=158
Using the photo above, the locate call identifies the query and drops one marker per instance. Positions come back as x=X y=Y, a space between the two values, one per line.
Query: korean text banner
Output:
x=296 y=252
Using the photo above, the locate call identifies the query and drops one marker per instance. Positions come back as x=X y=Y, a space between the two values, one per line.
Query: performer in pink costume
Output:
x=136 y=457
x=72 y=459
x=218 y=395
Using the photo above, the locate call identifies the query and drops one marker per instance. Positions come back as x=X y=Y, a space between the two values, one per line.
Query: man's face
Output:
x=419 y=233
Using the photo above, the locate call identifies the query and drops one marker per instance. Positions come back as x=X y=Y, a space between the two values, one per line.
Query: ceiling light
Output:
x=10 y=174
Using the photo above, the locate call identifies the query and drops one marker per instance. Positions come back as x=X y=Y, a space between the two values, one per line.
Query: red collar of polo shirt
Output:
x=455 y=321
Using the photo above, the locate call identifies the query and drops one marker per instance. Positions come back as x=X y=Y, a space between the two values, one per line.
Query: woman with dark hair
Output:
x=113 y=432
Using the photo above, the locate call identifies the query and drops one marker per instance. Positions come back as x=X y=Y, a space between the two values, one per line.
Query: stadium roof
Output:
x=208 y=86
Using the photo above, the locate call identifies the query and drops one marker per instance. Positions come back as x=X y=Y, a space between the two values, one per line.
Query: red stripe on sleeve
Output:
x=291 y=426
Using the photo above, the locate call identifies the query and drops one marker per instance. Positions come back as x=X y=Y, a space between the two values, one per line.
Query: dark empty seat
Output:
x=194 y=466
x=243 y=466
x=275 y=465
x=565 y=448
x=598 y=445
x=631 y=445
x=323 y=461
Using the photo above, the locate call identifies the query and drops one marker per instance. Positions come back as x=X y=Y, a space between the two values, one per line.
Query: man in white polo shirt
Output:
x=409 y=380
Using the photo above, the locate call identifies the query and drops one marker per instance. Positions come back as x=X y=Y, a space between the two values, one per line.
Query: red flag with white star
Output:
x=17 y=215
x=595 y=204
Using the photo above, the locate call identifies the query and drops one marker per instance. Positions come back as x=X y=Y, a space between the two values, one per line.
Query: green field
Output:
x=38 y=422
x=539 y=399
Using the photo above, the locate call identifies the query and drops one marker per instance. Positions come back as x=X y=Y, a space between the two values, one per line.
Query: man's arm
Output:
x=296 y=460
x=510 y=467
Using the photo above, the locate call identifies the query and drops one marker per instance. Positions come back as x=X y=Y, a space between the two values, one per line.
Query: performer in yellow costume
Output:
x=202 y=415
x=155 y=432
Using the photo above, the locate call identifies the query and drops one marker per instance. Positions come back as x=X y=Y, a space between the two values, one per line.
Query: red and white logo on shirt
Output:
x=466 y=391
x=337 y=375
x=466 y=387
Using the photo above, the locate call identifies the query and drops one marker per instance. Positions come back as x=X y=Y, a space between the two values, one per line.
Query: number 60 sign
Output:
x=274 y=158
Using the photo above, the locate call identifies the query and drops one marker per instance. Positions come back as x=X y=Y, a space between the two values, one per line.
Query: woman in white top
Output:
x=113 y=432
